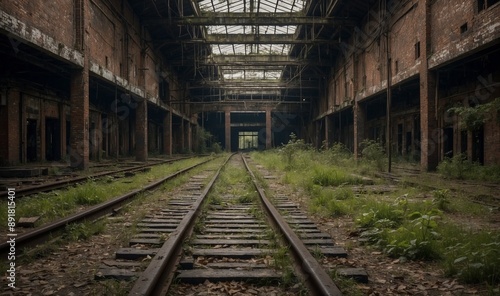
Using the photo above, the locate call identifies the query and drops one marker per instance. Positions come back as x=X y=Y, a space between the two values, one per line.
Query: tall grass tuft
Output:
x=459 y=167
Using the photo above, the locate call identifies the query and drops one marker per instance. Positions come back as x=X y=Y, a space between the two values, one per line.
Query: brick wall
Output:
x=450 y=39
x=54 y=18
x=9 y=121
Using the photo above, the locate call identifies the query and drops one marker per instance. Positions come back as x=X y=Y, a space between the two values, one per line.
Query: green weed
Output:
x=459 y=167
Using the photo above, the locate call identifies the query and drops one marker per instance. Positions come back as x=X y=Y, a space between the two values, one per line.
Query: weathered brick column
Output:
x=189 y=136
x=79 y=134
x=227 y=128
x=359 y=127
x=141 y=130
x=167 y=133
x=430 y=135
x=327 y=132
x=268 y=129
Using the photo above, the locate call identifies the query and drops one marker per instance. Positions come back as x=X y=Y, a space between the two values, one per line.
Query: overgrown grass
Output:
x=459 y=167
x=402 y=223
x=60 y=203
x=330 y=202
x=472 y=256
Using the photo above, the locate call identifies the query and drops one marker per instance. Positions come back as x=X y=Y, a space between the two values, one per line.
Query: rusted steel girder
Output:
x=250 y=39
x=248 y=19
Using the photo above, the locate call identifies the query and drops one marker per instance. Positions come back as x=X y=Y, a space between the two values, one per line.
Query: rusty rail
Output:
x=163 y=262
x=20 y=192
x=42 y=233
x=321 y=283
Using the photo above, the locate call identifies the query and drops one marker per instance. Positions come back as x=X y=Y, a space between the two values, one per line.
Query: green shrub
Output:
x=455 y=167
x=373 y=153
x=328 y=201
x=441 y=199
x=459 y=167
x=291 y=149
x=472 y=256
x=329 y=176
x=416 y=239
x=88 y=194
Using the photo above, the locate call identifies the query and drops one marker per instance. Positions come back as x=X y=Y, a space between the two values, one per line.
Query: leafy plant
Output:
x=441 y=199
x=82 y=231
x=373 y=153
x=455 y=167
x=291 y=148
x=474 y=258
x=473 y=118
x=459 y=167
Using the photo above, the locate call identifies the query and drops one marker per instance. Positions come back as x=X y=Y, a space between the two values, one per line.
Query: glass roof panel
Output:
x=251 y=6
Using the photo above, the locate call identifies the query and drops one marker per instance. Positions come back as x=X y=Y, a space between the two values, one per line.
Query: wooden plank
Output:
x=132 y=254
x=314 y=235
x=159 y=220
x=330 y=251
x=113 y=263
x=357 y=274
x=27 y=222
x=229 y=225
x=144 y=241
x=231 y=253
x=304 y=221
x=236 y=265
x=252 y=242
x=157 y=225
x=115 y=273
x=300 y=231
x=232 y=221
x=304 y=226
x=156 y=230
x=318 y=241
x=231 y=230
x=229 y=216
x=230 y=236
x=198 y=276
x=149 y=235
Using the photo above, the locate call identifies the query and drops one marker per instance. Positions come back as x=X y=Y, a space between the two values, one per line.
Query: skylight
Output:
x=251 y=7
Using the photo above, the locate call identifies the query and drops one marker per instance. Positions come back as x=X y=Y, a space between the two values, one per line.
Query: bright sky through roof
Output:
x=251 y=6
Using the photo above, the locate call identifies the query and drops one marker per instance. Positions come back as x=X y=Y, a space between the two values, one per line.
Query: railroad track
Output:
x=58 y=184
x=48 y=231
x=225 y=237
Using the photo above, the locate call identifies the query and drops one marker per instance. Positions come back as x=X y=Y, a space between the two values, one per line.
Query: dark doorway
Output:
x=92 y=141
x=68 y=136
x=409 y=143
x=463 y=142
x=400 y=139
x=52 y=139
x=478 y=146
x=448 y=142
x=31 y=140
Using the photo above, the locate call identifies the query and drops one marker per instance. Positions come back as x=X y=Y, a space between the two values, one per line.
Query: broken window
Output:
x=485 y=4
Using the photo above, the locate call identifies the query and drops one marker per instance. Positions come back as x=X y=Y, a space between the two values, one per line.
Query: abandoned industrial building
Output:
x=250 y=147
x=84 y=80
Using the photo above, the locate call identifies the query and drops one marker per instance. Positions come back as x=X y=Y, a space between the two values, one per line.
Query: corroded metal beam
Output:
x=250 y=39
x=247 y=60
x=256 y=84
x=253 y=105
x=250 y=19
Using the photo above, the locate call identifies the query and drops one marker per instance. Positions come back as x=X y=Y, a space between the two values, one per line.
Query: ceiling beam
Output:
x=257 y=84
x=250 y=67
x=252 y=105
x=250 y=19
x=250 y=39
x=247 y=60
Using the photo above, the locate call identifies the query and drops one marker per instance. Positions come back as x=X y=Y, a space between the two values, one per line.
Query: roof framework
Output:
x=254 y=37
x=269 y=50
